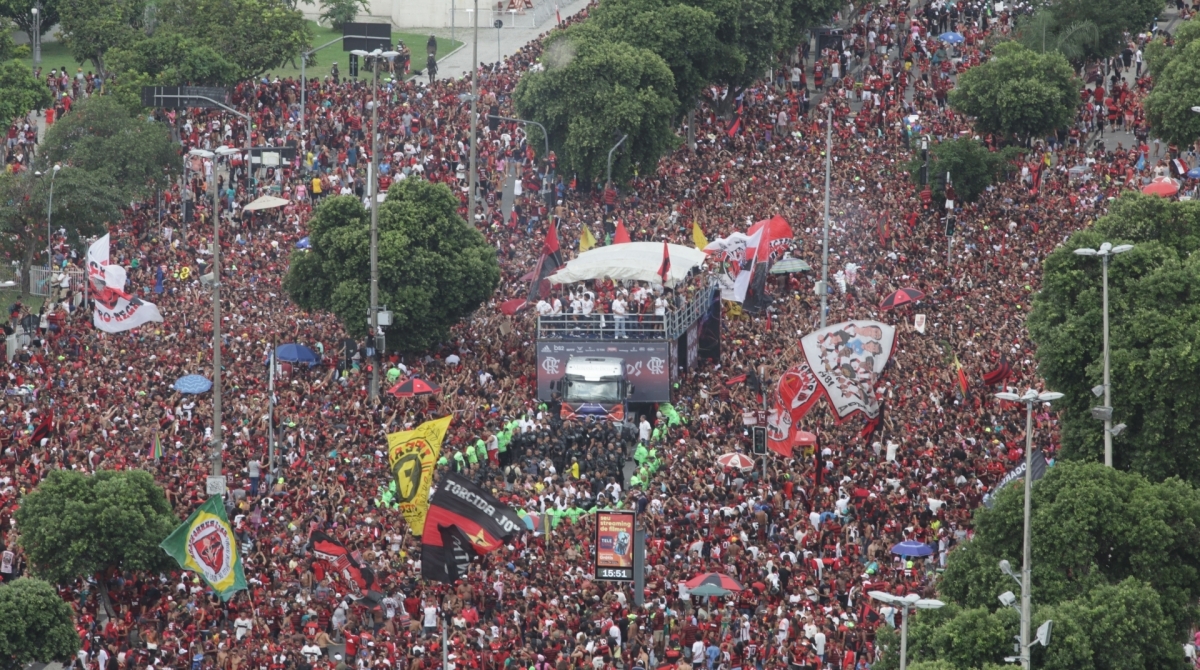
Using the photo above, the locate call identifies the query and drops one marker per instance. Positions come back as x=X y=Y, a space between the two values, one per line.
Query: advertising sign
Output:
x=647 y=365
x=614 y=546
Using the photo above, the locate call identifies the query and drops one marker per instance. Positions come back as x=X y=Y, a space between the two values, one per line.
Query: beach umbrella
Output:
x=787 y=265
x=713 y=579
x=296 y=353
x=1163 y=187
x=193 y=384
x=951 y=37
x=804 y=438
x=709 y=590
x=1194 y=173
x=737 y=461
x=912 y=548
x=414 y=386
x=304 y=243
x=901 y=297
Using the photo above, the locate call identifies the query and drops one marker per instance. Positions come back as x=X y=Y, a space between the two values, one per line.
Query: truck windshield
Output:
x=584 y=391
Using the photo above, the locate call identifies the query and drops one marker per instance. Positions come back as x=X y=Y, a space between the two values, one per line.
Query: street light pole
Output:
x=36 y=37
x=905 y=603
x=49 y=228
x=1106 y=252
x=608 y=176
x=1030 y=398
x=825 y=233
x=304 y=86
x=474 y=116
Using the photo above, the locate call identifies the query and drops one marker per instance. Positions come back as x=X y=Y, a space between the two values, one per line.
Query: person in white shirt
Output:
x=644 y=430
x=556 y=307
x=311 y=652
x=619 y=311
x=819 y=644
x=543 y=308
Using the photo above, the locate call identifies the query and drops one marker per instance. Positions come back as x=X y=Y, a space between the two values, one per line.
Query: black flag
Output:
x=463 y=522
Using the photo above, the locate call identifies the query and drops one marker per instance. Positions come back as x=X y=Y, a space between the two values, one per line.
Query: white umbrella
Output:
x=266 y=202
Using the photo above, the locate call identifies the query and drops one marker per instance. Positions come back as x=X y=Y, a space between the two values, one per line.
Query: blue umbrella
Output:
x=193 y=384
x=296 y=353
x=1194 y=173
x=304 y=243
x=951 y=37
x=912 y=548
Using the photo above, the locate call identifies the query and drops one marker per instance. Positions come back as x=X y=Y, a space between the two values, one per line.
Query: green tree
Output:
x=682 y=35
x=593 y=91
x=20 y=91
x=256 y=35
x=340 y=12
x=1042 y=32
x=1154 y=343
x=971 y=166
x=74 y=525
x=20 y=12
x=751 y=33
x=434 y=268
x=1112 y=18
x=1176 y=71
x=172 y=59
x=1018 y=93
x=83 y=203
x=100 y=136
x=36 y=625
x=91 y=27
x=1092 y=527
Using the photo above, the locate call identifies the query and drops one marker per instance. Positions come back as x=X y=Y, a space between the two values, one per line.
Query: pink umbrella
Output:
x=736 y=461
x=1164 y=187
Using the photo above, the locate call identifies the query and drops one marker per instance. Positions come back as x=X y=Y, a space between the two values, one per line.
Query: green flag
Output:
x=205 y=545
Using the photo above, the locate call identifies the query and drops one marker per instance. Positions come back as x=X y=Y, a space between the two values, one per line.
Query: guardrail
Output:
x=667 y=326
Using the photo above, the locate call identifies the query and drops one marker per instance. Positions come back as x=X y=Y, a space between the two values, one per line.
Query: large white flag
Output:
x=114 y=309
x=848 y=359
x=736 y=249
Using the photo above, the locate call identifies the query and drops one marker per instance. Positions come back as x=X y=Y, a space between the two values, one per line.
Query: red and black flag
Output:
x=736 y=126
x=1001 y=372
x=43 y=430
x=549 y=262
x=463 y=522
x=664 y=270
x=330 y=555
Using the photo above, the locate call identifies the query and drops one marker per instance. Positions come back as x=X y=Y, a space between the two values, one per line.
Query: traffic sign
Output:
x=215 y=485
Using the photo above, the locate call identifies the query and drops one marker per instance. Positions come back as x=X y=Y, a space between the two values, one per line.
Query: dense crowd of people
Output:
x=806 y=549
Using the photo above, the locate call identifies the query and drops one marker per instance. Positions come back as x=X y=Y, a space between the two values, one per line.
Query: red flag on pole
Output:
x=664 y=270
x=621 y=236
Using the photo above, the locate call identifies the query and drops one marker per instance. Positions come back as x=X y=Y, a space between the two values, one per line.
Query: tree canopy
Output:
x=971 y=166
x=22 y=91
x=1154 y=317
x=682 y=35
x=99 y=135
x=75 y=525
x=1112 y=19
x=1018 y=93
x=36 y=625
x=20 y=12
x=1176 y=71
x=241 y=38
x=1114 y=566
x=593 y=91
x=434 y=268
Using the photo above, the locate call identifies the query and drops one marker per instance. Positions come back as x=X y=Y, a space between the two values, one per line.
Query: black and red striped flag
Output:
x=464 y=522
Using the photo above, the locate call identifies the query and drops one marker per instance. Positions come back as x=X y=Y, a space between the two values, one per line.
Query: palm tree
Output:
x=1041 y=32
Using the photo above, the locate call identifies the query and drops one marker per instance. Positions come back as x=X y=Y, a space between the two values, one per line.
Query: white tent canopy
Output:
x=266 y=202
x=639 y=261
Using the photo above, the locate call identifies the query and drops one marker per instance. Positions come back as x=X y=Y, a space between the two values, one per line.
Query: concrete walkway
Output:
x=458 y=63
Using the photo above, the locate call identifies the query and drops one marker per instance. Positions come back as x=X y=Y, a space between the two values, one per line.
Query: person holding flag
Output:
x=205 y=544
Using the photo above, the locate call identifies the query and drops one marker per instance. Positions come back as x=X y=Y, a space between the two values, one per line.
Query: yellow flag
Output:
x=413 y=455
x=698 y=237
x=586 y=240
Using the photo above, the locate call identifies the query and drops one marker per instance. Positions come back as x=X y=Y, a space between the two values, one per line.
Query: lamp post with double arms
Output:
x=1029 y=398
x=1106 y=252
x=905 y=603
x=373 y=192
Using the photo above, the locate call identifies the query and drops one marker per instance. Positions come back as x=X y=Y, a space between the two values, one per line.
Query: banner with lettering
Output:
x=115 y=311
x=848 y=360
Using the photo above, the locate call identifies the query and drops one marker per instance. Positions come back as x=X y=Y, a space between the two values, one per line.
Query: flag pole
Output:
x=445 y=651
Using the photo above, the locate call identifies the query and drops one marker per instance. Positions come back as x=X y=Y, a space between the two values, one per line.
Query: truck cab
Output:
x=595 y=386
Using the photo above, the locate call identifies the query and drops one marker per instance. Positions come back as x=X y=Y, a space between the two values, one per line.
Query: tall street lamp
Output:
x=825 y=230
x=303 y=89
x=905 y=603
x=373 y=189
x=36 y=37
x=218 y=433
x=1106 y=252
x=1030 y=398
x=608 y=176
x=49 y=210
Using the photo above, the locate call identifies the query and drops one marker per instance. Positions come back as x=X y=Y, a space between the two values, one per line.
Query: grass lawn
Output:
x=9 y=296
x=55 y=55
